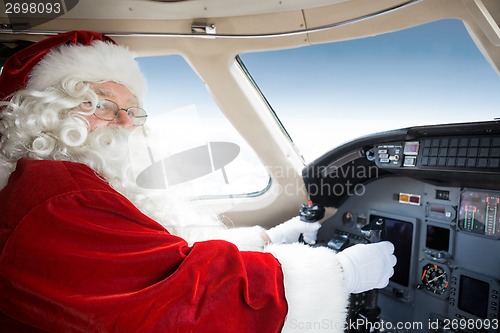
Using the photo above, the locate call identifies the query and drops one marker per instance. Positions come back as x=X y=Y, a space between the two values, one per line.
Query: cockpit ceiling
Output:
x=308 y=22
x=184 y=9
x=237 y=17
x=231 y=8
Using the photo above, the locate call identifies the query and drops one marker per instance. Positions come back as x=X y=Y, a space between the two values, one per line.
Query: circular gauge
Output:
x=435 y=279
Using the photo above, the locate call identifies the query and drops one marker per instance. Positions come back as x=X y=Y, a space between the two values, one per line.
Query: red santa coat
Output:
x=77 y=256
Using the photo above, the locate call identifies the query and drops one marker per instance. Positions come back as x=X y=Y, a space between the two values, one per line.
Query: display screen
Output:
x=473 y=296
x=411 y=148
x=437 y=238
x=479 y=213
x=399 y=233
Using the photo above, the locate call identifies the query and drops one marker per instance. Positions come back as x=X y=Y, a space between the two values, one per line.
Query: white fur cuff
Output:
x=314 y=288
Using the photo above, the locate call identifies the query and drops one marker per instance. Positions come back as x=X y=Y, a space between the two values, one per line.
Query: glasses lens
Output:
x=137 y=115
x=106 y=110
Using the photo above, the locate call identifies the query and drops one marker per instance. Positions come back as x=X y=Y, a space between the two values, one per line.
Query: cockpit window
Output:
x=328 y=94
x=186 y=143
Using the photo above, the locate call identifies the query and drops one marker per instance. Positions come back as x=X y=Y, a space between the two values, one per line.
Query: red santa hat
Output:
x=80 y=55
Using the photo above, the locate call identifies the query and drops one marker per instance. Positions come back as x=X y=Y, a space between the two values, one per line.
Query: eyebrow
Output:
x=111 y=94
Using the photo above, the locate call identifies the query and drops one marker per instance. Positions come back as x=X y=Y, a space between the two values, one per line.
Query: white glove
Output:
x=289 y=231
x=367 y=266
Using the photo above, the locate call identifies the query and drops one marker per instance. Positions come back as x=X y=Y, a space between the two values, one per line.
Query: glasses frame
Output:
x=136 y=121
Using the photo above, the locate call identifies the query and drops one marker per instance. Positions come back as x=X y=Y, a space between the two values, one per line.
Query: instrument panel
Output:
x=436 y=189
x=479 y=213
x=447 y=246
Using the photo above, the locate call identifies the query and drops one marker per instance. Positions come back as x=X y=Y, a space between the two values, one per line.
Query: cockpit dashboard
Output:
x=437 y=191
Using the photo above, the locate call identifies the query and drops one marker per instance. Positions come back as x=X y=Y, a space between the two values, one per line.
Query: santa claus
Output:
x=84 y=249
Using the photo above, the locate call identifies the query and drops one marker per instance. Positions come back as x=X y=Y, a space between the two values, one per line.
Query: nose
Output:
x=123 y=120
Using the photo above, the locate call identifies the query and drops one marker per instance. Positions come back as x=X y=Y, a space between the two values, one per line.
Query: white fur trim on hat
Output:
x=100 y=61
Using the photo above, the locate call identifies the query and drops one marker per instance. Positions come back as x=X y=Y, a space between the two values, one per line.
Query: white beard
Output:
x=109 y=156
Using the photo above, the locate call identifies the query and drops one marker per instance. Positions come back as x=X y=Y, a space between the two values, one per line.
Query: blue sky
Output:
x=431 y=60
x=332 y=93
x=437 y=62
x=329 y=94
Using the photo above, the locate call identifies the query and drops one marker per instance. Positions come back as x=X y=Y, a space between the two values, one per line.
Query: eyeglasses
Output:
x=108 y=110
